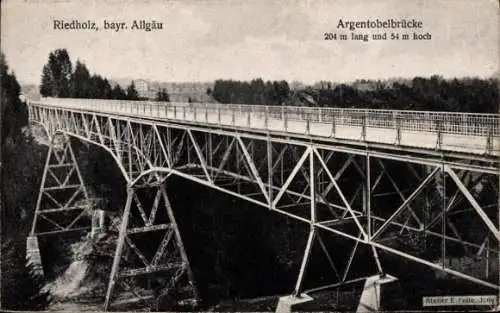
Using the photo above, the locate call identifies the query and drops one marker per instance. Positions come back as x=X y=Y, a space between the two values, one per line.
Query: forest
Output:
x=21 y=160
x=427 y=94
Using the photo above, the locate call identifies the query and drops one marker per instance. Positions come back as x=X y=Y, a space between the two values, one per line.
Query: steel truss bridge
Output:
x=371 y=176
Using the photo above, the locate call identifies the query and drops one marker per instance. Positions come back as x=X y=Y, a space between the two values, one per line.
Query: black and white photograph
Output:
x=250 y=156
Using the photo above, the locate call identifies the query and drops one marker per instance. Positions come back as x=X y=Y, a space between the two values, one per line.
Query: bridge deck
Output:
x=443 y=131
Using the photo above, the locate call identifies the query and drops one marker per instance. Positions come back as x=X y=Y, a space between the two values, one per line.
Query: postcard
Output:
x=262 y=155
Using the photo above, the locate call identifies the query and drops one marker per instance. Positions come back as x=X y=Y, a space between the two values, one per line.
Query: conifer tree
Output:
x=80 y=81
x=56 y=75
x=132 y=93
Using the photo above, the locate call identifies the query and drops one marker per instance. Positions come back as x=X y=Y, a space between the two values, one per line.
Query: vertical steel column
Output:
x=282 y=161
x=210 y=154
x=312 y=187
x=178 y=240
x=305 y=261
x=312 y=230
x=188 y=147
x=40 y=192
x=377 y=261
x=443 y=214
x=238 y=185
x=367 y=209
x=33 y=255
x=129 y=152
x=119 y=247
x=169 y=145
x=270 y=170
x=368 y=196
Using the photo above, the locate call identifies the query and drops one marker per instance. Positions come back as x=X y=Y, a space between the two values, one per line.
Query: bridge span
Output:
x=371 y=176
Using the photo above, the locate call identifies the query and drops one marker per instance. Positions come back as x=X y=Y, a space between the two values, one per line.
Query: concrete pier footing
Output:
x=33 y=256
x=372 y=295
x=286 y=304
x=98 y=217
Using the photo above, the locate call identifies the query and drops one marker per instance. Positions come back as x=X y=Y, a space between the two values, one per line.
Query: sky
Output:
x=204 y=40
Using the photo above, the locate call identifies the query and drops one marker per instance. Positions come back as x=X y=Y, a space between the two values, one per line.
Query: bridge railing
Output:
x=469 y=124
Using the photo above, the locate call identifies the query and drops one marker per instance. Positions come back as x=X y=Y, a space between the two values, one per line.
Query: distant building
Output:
x=177 y=91
x=142 y=86
x=365 y=86
x=182 y=92
x=146 y=89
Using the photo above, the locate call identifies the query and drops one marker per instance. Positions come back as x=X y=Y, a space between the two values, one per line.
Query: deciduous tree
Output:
x=162 y=95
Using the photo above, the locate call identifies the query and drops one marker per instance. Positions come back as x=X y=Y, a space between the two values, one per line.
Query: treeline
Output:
x=254 y=92
x=60 y=80
x=419 y=93
x=21 y=161
x=428 y=94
